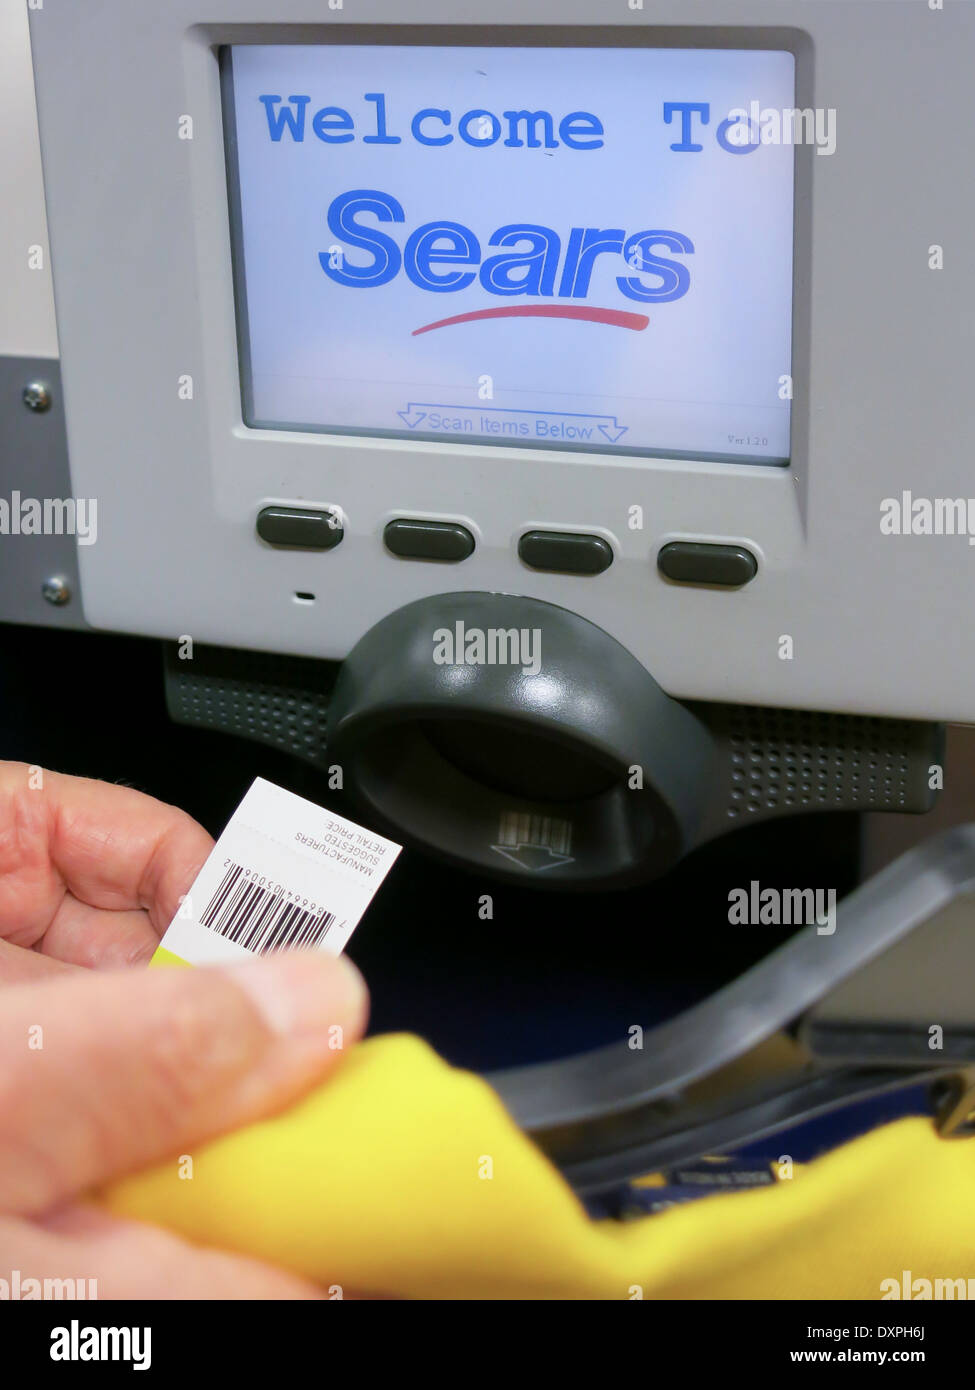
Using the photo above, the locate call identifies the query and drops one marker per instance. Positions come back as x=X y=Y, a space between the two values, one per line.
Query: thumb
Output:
x=105 y=1073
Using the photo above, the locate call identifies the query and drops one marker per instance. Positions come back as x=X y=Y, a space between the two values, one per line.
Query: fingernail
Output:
x=301 y=994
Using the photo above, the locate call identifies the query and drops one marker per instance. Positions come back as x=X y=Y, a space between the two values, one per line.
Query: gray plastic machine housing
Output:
x=883 y=300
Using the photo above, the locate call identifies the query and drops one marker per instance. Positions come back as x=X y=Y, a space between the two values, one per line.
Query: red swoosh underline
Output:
x=617 y=318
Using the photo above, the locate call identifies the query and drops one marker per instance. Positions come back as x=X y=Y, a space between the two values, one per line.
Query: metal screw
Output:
x=37 y=397
x=56 y=589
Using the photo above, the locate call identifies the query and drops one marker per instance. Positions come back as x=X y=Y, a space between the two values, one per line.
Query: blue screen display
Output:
x=562 y=248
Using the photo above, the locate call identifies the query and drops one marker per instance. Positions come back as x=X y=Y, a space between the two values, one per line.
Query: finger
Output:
x=18 y=966
x=99 y=940
x=117 y=1258
x=106 y=1073
x=118 y=848
x=110 y=846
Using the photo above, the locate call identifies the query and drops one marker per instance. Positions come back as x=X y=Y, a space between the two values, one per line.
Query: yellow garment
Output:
x=405 y=1176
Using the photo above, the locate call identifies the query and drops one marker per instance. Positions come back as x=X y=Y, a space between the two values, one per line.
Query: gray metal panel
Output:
x=26 y=292
x=34 y=462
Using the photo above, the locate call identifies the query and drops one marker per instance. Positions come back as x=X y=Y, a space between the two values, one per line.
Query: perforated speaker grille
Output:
x=782 y=761
x=277 y=700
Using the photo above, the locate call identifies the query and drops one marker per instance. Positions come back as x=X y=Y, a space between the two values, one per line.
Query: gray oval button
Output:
x=428 y=540
x=299 y=528
x=565 y=552
x=693 y=562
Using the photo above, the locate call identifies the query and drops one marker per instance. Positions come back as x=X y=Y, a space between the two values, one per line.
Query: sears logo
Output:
x=444 y=257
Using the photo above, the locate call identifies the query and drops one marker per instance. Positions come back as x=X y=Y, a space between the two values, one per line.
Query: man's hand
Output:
x=105 y=1074
x=91 y=873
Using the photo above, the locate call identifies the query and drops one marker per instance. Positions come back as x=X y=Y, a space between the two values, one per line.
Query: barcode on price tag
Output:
x=284 y=875
x=263 y=916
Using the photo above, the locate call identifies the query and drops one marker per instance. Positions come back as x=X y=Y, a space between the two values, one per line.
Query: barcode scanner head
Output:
x=507 y=733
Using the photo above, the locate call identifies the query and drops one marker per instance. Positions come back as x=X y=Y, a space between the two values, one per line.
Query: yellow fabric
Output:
x=405 y=1176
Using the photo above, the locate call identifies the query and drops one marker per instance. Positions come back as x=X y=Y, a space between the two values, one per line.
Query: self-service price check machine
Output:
x=558 y=421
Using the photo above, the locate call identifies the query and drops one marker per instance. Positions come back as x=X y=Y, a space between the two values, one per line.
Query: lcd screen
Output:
x=569 y=248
